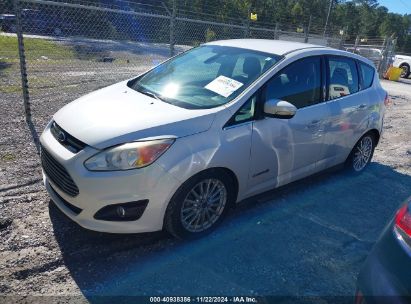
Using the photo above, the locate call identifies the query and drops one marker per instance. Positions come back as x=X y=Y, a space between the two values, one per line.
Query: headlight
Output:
x=128 y=156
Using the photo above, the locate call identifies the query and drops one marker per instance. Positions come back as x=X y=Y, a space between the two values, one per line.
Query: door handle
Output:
x=362 y=106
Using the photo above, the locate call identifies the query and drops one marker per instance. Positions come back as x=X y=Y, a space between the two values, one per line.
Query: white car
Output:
x=371 y=53
x=174 y=147
x=403 y=62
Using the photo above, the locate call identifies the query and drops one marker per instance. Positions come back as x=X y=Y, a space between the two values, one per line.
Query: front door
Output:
x=284 y=150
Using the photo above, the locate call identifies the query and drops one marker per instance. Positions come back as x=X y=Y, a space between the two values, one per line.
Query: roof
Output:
x=277 y=47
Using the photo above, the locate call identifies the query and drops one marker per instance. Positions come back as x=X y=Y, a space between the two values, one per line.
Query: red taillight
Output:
x=386 y=99
x=403 y=220
x=359 y=298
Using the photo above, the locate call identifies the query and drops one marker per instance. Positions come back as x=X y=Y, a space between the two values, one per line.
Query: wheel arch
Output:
x=167 y=222
x=227 y=171
x=375 y=133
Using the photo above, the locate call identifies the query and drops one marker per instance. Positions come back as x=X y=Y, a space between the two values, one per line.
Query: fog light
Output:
x=130 y=211
x=121 y=212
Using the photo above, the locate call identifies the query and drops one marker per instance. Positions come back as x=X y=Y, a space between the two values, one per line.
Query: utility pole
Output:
x=328 y=17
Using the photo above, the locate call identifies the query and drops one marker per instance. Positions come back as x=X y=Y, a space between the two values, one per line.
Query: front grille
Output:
x=69 y=142
x=58 y=174
x=73 y=208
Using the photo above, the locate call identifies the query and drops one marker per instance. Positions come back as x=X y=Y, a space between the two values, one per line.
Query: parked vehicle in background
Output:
x=386 y=274
x=403 y=62
x=8 y=23
x=174 y=147
x=371 y=53
x=38 y=22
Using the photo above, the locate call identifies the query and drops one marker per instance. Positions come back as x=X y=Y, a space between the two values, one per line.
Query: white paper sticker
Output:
x=224 y=86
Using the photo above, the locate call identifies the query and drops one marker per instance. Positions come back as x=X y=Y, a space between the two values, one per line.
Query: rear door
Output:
x=349 y=107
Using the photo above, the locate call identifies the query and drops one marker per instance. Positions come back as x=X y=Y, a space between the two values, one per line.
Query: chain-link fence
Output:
x=56 y=47
x=379 y=50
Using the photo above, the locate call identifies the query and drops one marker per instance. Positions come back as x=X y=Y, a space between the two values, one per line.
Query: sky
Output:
x=397 y=6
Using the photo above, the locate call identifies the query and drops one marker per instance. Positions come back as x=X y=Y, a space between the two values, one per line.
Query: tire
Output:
x=188 y=207
x=361 y=154
x=405 y=70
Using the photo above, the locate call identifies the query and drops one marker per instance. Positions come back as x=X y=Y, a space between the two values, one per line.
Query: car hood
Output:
x=118 y=114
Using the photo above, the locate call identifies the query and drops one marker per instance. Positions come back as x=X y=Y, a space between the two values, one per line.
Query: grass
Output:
x=34 y=49
x=59 y=56
x=8 y=157
x=10 y=88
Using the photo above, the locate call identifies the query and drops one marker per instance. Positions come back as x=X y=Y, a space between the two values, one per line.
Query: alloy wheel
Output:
x=203 y=205
x=362 y=153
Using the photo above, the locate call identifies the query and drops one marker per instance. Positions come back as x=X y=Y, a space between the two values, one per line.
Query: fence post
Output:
x=276 y=35
x=22 y=57
x=307 y=30
x=382 y=67
x=392 y=51
x=247 y=24
x=342 y=39
x=357 y=42
x=173 y=28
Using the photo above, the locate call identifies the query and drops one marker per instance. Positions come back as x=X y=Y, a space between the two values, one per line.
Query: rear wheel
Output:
x=199 y=205
x=405 y=73
x=362 y=153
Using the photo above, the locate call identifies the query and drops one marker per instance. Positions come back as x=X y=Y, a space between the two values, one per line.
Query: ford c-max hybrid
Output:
x=174 y=147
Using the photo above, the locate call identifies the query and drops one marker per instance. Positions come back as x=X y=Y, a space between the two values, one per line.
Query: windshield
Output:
x=204 y=77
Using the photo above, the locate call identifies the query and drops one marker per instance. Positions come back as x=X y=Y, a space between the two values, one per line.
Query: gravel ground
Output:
x=305 y=239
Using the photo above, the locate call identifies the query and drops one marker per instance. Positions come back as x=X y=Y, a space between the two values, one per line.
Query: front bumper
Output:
x=99 y=189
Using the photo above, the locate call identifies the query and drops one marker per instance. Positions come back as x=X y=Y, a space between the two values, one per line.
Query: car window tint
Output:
x=299 y=83
x=343 y=77
x=367 y=73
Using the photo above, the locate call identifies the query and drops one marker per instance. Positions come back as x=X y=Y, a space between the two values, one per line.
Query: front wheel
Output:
x=199 y=205
x=361 y=154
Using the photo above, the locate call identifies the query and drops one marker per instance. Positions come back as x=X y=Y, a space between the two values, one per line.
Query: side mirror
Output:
x=279 y=109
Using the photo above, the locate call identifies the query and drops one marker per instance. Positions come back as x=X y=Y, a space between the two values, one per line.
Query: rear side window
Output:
x=367 y=73
x=343 y=77
x=299 y=83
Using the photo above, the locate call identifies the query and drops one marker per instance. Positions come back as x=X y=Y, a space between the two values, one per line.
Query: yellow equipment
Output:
x=393 y=73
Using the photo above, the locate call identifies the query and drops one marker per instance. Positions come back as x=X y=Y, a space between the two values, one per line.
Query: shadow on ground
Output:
x=308 y=238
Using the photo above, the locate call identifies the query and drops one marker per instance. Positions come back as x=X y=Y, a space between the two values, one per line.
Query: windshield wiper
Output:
x=151 y=94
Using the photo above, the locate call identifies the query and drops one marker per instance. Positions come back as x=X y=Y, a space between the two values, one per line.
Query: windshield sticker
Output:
x=224 y=86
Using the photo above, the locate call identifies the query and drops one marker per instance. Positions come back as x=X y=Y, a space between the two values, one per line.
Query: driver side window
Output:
x=299 y=83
